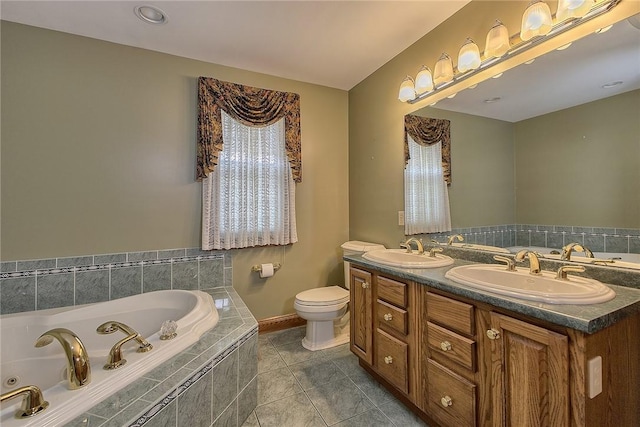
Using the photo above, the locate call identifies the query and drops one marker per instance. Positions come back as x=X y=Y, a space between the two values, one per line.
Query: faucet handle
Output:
x=433 y=251
x=562 y=271
x=511 y=264
x=32 y=400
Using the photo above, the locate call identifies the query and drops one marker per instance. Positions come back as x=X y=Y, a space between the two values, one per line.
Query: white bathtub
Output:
x=194 y=312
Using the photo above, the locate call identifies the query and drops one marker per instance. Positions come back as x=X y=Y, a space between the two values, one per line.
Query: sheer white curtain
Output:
x=426 y=196
x=249 y=199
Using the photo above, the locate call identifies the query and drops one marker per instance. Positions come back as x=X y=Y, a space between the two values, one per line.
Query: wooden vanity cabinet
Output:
x=361 y=314
x=458 y=362
x=384 y=328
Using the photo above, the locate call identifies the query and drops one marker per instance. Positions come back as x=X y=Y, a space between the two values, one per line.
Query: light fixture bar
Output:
x=597 y=9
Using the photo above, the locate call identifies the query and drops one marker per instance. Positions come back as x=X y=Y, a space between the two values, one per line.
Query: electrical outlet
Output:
x=400 y=217
x=595 y=376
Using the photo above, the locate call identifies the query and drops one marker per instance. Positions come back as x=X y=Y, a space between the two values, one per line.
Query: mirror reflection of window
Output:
x=426 y=197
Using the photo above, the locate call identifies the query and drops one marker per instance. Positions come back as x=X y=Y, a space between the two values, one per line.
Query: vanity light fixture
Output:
x=469 y=56
x=443 y=72
x=537 y=27
x=497 y=43
x=568 y=9
x=151 y=14
x=536 y=20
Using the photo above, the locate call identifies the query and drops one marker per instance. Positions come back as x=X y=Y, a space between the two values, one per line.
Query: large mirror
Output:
x=553 y=143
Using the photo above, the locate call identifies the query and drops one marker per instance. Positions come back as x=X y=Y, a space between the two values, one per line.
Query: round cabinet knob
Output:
x=493 y=334
x=446 y=401
x=388 y=317
x=445 y=345
x=388 y=360
x=365 y=285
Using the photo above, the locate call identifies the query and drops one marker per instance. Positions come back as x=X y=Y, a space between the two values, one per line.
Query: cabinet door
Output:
x=361 y=308
x=530 y=374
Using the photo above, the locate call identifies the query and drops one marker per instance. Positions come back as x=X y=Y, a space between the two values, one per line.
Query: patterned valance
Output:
x=250 y=106
x=426 y=131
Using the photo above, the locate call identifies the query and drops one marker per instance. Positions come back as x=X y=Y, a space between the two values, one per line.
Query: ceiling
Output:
x=330 y=43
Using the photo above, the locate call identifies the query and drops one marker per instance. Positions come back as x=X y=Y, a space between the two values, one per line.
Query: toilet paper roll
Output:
x=266 y=270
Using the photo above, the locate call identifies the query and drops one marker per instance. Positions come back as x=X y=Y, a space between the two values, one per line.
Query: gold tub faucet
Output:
x=115 y=359
x=457 y=237
x=32 y=401
x=78 y=366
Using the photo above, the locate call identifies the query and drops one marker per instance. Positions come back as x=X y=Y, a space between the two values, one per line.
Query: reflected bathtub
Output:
x=22 y=364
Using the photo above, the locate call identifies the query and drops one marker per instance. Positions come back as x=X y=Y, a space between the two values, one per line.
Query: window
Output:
x=249 y=198
x=426 y=197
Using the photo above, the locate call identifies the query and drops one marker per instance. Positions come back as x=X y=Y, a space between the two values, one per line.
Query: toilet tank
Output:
x=355 y=247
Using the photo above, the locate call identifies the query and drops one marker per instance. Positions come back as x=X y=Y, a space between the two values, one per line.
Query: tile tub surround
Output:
x=299 y=387
x=59 y=282
x=212 y=383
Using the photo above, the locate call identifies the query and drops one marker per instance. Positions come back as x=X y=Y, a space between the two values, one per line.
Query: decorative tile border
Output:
x=58 y=282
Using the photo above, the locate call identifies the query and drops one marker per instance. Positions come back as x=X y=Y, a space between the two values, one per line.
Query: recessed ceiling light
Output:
x=603 y=29
x=151 y=14
x=564 y=47
x=497 y=76
x=612 y=84
x=492 y=100
x=530 y=61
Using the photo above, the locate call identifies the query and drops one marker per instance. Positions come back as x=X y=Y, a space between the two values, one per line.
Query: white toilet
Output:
x=325 y=309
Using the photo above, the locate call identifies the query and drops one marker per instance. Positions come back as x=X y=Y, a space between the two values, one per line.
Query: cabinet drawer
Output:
x=452 y=346
x=391 y=317
x=392 y=360
x=450 y=313
x=392 y=292
x=452 y=399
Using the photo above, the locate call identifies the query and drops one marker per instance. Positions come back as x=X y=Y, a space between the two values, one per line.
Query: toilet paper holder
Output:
x=258 y=268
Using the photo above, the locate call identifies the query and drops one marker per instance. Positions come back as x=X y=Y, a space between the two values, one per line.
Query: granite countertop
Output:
x=585 y=318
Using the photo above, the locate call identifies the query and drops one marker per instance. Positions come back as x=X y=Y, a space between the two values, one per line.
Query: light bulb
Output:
x=443 y=71
x=424 y=80
x=568 y=9
x=469 y=56
x=497 y=41
x=536 y=20
x=407 y=91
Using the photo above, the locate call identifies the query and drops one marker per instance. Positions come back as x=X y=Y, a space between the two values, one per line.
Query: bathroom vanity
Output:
x=460 y=357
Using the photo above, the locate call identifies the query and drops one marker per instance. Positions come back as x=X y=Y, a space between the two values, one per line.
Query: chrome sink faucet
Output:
x=457 y=237
x=78 y=366
x=115 y=360
x=418 y=243
x=534 y=262
x=577 y=247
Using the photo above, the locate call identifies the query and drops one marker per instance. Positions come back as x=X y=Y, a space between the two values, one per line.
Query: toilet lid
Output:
x=323 y=296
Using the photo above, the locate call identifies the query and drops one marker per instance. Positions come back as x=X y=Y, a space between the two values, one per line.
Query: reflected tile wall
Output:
x=27 y=285
x=598 y=239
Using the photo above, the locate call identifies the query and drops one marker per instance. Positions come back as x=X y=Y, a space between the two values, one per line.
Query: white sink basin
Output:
x=521 y=284
x=401 y=258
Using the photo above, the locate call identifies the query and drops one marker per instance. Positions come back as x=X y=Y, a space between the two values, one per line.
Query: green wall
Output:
x=98 y=156
x=581 y=166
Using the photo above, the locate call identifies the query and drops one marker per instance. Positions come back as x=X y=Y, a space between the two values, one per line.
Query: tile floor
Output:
x=298 y=387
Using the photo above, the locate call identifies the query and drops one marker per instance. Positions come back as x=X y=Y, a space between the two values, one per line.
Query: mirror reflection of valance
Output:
x=426 y=131
x=250 y=106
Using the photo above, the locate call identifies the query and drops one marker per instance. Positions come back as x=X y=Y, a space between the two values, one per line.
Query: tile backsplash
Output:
x=598 y=239
x=59 y=282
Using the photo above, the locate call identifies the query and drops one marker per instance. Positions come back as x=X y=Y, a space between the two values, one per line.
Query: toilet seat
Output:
x=327 y=296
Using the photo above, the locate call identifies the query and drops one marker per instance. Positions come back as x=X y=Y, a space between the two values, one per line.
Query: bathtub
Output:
x=23 y=364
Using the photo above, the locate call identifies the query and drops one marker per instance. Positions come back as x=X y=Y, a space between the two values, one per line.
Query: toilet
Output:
x=325 y=309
